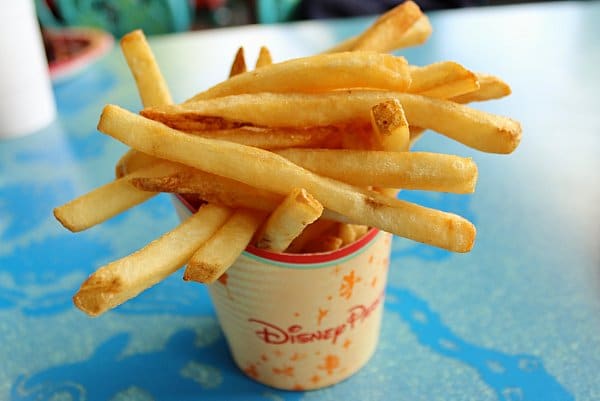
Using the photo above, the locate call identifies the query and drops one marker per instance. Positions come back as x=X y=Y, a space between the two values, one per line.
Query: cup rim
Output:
x=288 y=259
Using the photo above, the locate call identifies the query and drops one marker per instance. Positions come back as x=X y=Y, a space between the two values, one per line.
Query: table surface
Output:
x=518 y=318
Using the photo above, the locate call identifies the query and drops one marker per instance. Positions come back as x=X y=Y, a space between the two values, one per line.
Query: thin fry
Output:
x=217 y=254
x=103 y=202
x=264 y=57
x=311 y=233
x=133 y=160
x=273 y=138
x=318 y=74
x=151 y=84
x=239 y=63
x=239 y=162
x=408 y=170
x=475 y=128
x=123 y=279
x=287 y=221
x=442 y=80
x=390 y=128
x=490 y=87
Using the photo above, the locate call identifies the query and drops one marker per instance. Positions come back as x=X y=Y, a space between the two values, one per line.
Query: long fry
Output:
x=442 y=80
x=217 y=254
x=475 y=128
x=255 y=167
x=123 y=279
x=408 y=170
x=287 y=221
x=402 y=26
x=416 y=34
x=151 y=84
x=271 y=138
x=318 y=74
x=239 y=63
x=104 y=202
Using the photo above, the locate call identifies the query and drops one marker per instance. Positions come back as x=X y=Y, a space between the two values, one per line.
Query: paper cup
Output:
x=26 y=98
x=300 y=322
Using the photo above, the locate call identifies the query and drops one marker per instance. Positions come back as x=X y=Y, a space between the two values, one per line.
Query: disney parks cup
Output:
x=302 y=321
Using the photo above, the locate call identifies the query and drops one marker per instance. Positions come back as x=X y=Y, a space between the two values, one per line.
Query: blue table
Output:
x=518 y=318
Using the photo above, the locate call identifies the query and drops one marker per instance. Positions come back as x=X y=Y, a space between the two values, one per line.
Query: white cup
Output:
x=26 y=98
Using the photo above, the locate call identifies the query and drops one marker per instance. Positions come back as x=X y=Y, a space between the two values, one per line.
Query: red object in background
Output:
x=210 y=4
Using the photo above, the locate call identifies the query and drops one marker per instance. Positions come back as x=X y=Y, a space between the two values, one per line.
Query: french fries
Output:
x=288 y=220
x=238 y=162
x=490 y=87
x=402 y=26
x=151 y=85
x=442 y=80
x=407 y=170
x=239 y=63
x=264 y=57
x=103 y=202
x=319 y=73
x=311 y=234
x=123 y=279
x=215 y=256
x=475 y=128
x=300 y=156
x=390 y=128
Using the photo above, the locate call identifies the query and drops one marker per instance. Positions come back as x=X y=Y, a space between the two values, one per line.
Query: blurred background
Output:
x=164 y=16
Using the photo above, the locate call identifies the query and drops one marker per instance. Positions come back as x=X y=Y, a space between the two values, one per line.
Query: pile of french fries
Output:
x=300 y=156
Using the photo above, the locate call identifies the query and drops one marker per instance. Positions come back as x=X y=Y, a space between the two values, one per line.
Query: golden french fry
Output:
x=264 y=57
x=318 y=74
x=475 y=128
x=403 y=26
x=417 y=34
x=133 y=160
x=272 y=138
x=104 y=202
x=123 y=279
x=152 y=86
x=239 y=63
x=346 y=233
x=266 y=170
x=327 y=243
x=409 y=170
x=287 y=221
x=442 y=80
x=311 y=233
x=390 y=128
x=490 y=87
x=211 y=188
x=217 y=254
